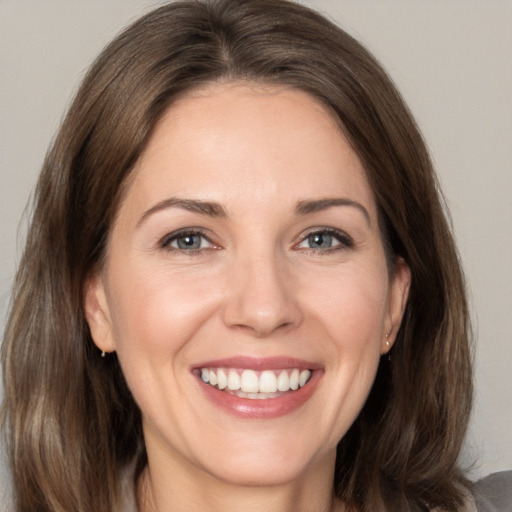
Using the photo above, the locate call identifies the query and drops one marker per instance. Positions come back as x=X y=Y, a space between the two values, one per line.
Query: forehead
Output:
x=224 y=140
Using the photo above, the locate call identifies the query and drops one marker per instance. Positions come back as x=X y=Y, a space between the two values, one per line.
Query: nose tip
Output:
x=262 y=323
x=261 y=301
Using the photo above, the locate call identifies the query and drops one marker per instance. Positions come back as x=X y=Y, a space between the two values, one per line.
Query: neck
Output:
x=201 y=492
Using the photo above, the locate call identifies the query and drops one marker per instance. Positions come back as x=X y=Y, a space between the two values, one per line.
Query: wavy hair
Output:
x=72 y=425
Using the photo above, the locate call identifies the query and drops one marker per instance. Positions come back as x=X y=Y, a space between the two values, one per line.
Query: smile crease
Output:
x=256 y=385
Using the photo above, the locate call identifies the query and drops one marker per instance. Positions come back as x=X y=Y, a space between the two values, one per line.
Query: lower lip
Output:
x=261 y=408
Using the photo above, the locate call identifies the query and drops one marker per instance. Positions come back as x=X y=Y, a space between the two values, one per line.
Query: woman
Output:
x=242 y=219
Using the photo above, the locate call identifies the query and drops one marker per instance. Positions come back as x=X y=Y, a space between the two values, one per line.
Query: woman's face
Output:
x=247 y=253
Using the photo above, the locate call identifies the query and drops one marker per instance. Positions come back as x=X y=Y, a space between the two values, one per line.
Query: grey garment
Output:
x=128 y=493
x=494 y=493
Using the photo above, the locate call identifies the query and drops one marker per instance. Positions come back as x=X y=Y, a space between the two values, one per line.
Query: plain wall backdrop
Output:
x=452 y=61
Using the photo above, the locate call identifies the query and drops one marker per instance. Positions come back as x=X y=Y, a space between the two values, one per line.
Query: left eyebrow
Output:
x=318 y=205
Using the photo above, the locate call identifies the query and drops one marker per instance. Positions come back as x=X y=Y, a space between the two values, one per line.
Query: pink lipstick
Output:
x=258 y=387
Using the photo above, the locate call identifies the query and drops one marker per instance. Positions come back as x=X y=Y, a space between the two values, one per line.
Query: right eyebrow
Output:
x=207 y=208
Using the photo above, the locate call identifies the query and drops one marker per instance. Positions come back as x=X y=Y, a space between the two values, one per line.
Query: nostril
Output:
x=259 y=299
x=261 y=329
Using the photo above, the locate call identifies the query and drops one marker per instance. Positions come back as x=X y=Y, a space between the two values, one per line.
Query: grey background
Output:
x=452 y=60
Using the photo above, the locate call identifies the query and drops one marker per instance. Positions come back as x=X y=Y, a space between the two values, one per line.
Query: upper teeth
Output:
x=249 y=381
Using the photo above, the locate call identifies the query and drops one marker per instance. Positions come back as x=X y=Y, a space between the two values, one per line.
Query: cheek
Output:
x=353 y=306
x=155 y=316
x=354 y=314
x=156 y=311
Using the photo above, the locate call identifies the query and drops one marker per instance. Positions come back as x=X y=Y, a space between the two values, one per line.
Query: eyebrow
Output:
x=207 y=208
x=212 y=209
x=318 y=205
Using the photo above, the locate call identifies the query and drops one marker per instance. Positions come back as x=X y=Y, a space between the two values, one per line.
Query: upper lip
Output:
x=259 y=363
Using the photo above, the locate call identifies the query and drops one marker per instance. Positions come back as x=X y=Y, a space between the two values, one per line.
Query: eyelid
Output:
x=345 y=240
x=167 y=239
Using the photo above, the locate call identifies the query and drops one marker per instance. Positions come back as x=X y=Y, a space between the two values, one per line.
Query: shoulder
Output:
x=494 y=492
x=128 y=501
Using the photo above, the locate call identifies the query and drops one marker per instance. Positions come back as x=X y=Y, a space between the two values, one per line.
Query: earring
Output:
x=102 y=353
x=388 y=345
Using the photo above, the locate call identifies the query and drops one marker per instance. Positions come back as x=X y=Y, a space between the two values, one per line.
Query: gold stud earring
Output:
x=387 y=339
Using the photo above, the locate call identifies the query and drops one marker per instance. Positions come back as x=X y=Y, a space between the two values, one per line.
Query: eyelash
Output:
x=344 y=241
x=167 y=240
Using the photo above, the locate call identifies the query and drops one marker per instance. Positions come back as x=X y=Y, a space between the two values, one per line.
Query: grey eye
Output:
x=326 y=240
x=188 y=242
x=320 y=241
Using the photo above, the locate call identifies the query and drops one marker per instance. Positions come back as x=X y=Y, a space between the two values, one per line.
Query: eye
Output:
x=325 y=240
x=187 y=241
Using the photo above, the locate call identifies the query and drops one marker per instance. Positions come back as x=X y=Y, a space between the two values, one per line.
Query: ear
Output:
x=399 y=292
x=97 y=313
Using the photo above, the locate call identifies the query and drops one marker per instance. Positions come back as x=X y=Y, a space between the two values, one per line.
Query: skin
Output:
x=257 y=287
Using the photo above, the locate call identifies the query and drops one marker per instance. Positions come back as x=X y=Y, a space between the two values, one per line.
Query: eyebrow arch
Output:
x=317 y=205
x=192 y=205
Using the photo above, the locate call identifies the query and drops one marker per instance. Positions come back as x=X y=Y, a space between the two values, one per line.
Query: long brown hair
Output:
x=72 y=425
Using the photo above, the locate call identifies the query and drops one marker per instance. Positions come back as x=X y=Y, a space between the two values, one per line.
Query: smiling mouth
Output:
x=255 y=384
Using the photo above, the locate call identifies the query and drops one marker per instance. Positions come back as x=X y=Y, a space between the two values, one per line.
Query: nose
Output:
x=260 y=297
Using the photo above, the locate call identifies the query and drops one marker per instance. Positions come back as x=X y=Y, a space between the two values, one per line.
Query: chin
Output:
x=258 y=471
x=265 y=461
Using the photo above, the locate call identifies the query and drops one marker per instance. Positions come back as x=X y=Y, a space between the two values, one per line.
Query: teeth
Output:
x=233 y=380
x=222 y=379
x=303 y=377
x=283 y=381
x=250 y=384
x=268 y=382
x=294 y=379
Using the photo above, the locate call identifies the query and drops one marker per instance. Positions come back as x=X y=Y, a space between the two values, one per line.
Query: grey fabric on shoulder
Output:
x=494 y=492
